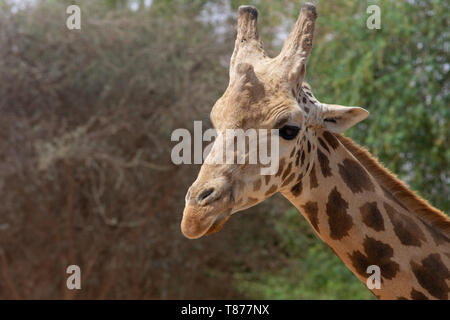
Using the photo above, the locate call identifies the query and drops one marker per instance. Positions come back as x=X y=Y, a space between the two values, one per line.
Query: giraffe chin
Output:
x=194 y=227
x=219 y=222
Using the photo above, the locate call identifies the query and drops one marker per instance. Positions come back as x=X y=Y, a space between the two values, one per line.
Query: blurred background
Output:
x=85 y=124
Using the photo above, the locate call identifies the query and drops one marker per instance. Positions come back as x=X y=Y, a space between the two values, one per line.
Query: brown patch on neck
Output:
x=324 y=163
x=375 y=253
x=409 y=199
x=371 y=216
x=432 y=275
x=405 y=227
x=417 y=295
x=297 y=189
x=311 y=211
x=331 y=139
x=323 y=144
x=339 y=220
x=355 y=177
x=312 y=178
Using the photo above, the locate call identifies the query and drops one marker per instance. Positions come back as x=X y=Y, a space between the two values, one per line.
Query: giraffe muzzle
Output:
x=197 y=223
x=207 y=209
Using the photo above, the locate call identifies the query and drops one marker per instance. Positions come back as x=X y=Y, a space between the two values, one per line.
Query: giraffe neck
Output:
x=364 y=224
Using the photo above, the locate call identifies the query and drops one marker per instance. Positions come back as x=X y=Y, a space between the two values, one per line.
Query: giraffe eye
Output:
x=289 y=132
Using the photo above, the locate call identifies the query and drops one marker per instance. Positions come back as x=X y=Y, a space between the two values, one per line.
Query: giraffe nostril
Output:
x=205 y=194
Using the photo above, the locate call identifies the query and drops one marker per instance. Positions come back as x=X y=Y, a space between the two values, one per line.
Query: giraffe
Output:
x=356 y=206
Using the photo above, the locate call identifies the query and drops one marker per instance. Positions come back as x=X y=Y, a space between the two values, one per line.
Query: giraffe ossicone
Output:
x=364 y=213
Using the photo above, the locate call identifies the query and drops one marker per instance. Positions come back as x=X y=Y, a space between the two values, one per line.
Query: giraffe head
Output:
x=263 y=93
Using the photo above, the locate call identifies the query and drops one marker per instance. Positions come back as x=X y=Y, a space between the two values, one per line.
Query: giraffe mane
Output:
x=396 y=187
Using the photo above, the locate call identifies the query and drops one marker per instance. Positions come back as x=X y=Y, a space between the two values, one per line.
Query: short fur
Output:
x=397 y=188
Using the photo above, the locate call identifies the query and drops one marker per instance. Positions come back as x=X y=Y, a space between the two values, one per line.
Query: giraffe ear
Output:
x=339 y=118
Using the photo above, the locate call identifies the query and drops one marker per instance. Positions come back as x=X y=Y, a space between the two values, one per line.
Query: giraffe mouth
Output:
x=219 y=222
x=201 y=219
x=195 y=223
